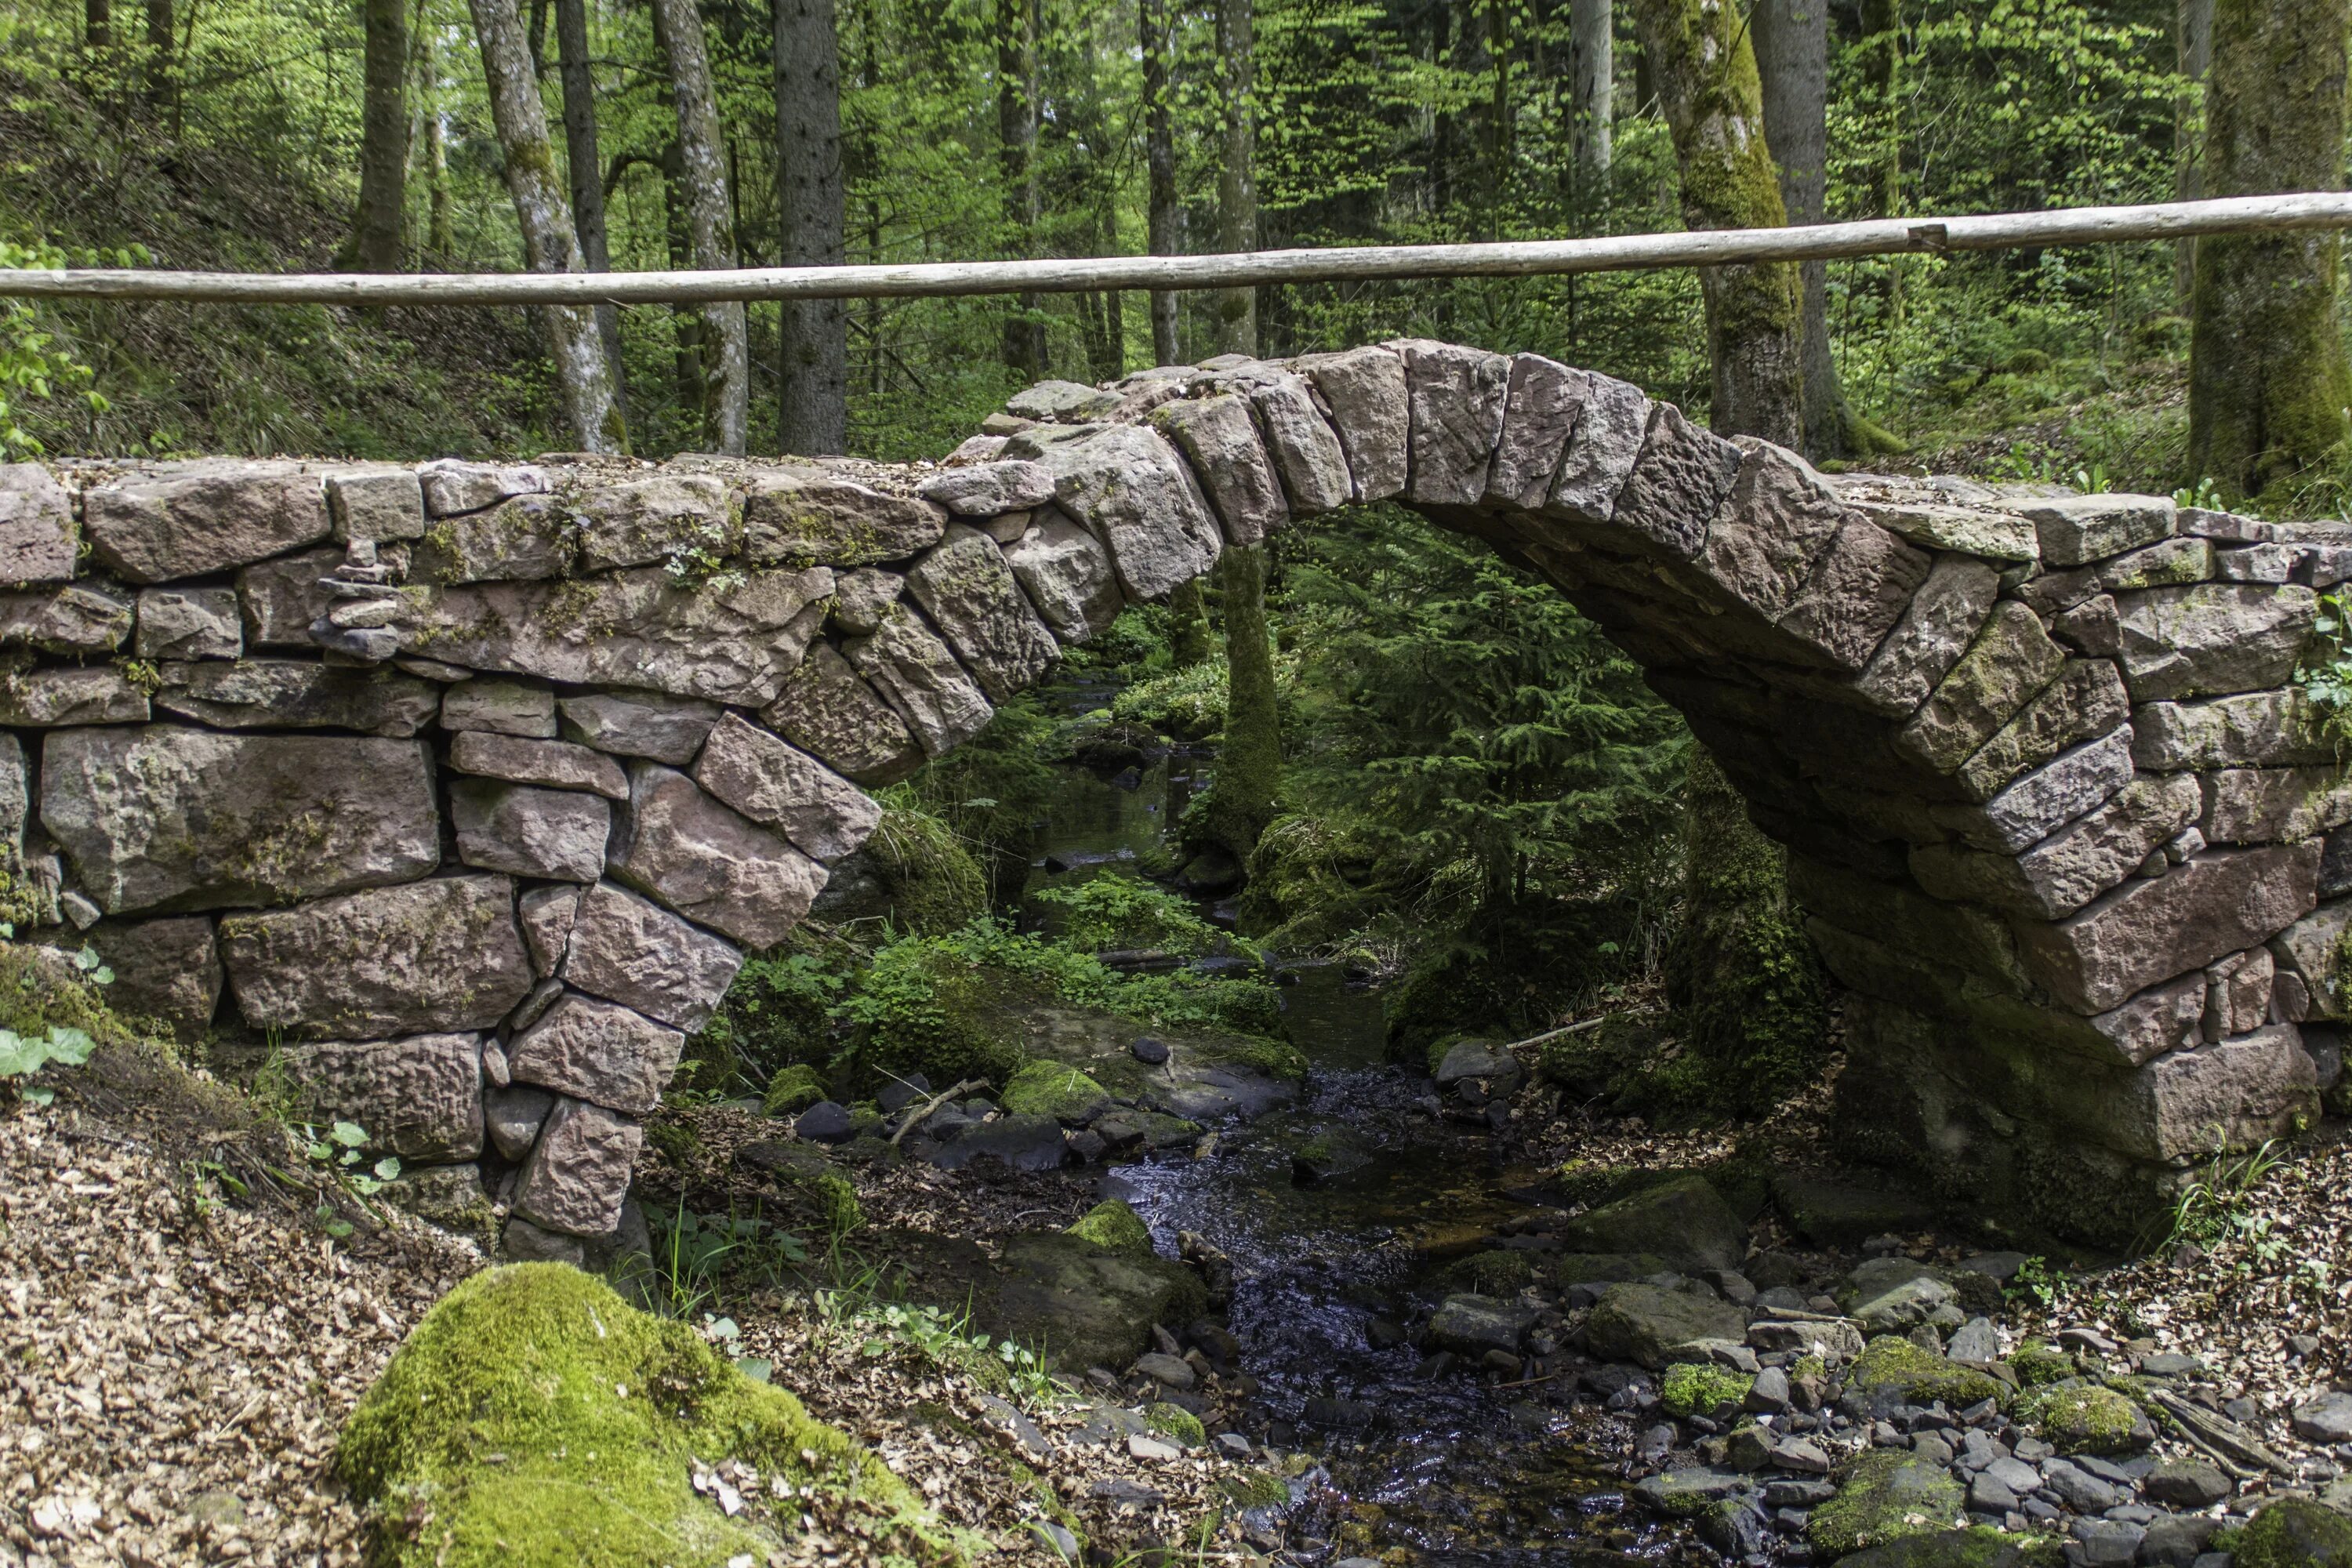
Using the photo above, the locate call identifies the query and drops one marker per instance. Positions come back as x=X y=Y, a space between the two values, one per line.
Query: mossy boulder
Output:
x=1640 y=1323
x=1175 y=1422
x=1689 y=1389
x=1889 y=1495
x=1052 y=1089
x=2295 y=1532
x=2079 y=1418
x=1893 y=1371
x=792 y=1091
x=1683 y=1220
x=1080 y=1305
x=1830 y=1214
x=1115 y=1226
x=1979 y=1546
x=930 y=1012
x=533 y=1417
x=1257 y=1488
x=934 y=883
x=2037 y=1364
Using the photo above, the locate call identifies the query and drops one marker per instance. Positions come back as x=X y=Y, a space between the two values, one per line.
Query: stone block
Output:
x=1932 y=525
x=709 y=863
x=524 y=539
x=2335 y=865
x=39 y=540
x=15 y=798
x=1943 y=617
x=577 y=1176
x=639 y=628
x=438 y=954
x=914 y=672
x=555 y=764
x=629 y=950
x=987 y=489
x=780 y=787
x=2167 y=1017
x=2167 y=563
x=2007 y=663
x=376 y=504
x=512 y=1117
x=2151 y=929
x=189 y=623
x=826 y=708
x=1219 y=436
x=167 y=970
x=2085 y=702
x=178 y=520
x=1131 y=490
x=2227 y=527
x=2255 y=563
x=501 y=708
x=2232 y=1095
x=1681 y=479
x=451 y=486
x=1306 y=450
x=2258 y=728
x=1769 y=541
x=1955 y=935
x=1864 y=581
x=2310 y=950
x=556 y=834
x=811 y=519
x=49 y=699
x=968 y=593
x=2212 y=639
x=2091 y=627
x=639 y=723
x=1365 y=391
x=75 y=619
x=170 y=817
x=1066 y=573
x=296 y=694
x=863 y=594
x=666 y=517
x=1455 y=397
x=280 y=599
x=2075 y=531
x=1061 y=402
x=2074 y=864
x=1602 y=452
x=2258 y=806
x=1541 y=403
x=2238 y=993
x=419 y=1097
x=597 y=1051
x=548 y=915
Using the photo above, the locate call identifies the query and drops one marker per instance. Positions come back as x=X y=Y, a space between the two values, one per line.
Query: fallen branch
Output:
x=922 y=1113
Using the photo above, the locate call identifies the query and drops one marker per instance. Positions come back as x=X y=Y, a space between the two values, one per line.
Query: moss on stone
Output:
x=533 y=1417
x=1054 y=1089
x=1888 y=1495
x=1690 y=1389
x=792 y=1091
x=2037 y=1364
x=929 y=1011
x=2293 y=1532
x=935 y=886
x=1255 y=1488
x=1114 y=1225
x=1894 y=1365
x=2077 y=1417
x=1175 y=1421
x=1499 y=1273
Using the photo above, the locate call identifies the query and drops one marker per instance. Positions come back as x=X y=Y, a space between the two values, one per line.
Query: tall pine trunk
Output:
x=702 y=154
x=586 y=163
x=2268 y=382
x=1163 y=215
x=376 y=230
x=1592 y=77
x=1235 y=310
x=1704 y=65
x=814 y=400
x=1017 y=154
x=584 y=379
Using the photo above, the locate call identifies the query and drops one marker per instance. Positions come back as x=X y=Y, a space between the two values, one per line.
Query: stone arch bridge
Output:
x=477 y=780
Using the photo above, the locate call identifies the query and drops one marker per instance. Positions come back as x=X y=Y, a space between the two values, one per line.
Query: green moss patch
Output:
x=533 y=1417
x=1889 y=1495
x=792 y=1091
x=1689 y=1389
x=2078 y=1417
x=1255 y=1488
x=1175 y=1421
x=1114 y=1225
x=2295 y=1532
x=1052 y=1089
x=2036 y=1364
x=1894 y=1365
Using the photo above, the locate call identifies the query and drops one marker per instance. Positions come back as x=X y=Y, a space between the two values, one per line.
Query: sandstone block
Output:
x=1067 y=575
x=986 y=489
x=863 y=593
x=2255 y=805
x=2091 y=627
x=418 y=1098
x=639 y=628
x=2151 y=929
x=548 y=915
x=296 y=694
x=2085 y=702
x=628 y=950
x=1862 y=583
x=1218 y=435
x=556 y=764
x=1365 y=391
x=2258 y=728
x=578 y=1174
x=965 y=587
x=280 y=599
x=2238 y=993
x=523 y=538
x=827 y=709
x=557 y=834
x=2167 y=1017
x=2231 y=1095
x=1131 y=490
x=38 y=537
x=164 y=969
x=782 y=788
x=2075 y=531
x=74 y=619
x=1061 y=402
x=1602 y=452
x=2009 y=660
x=438 y=954
x=2058 y=876
x=176 y=519
x=2229 y=528
x=913 y=671
x=666 y=517
x=46 y=699
x=189 y=623
x=1676 y=487
x=1305 y=449
x=1910 y=922
x=811 y=519
x=639 y=725
x=1937 y=627
x=2255 y=563
x=1994 y=535
x=451 y=486
x=2167 y=563
x=1455 y=396
x=2310 y=950
x=1541 y=404
x=375 y=503
x=597 y=1051
x=707 y=862
x=1770 y=538
x=171 y=818
x=2213 y=639
x=501 y=708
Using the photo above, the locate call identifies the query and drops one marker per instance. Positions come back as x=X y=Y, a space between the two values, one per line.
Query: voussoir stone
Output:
x=1765 y=548
x=1305 y=449
x=1455 y=396
x=1859 y=589
x=970 y=593
x=816 y=520
x=2212 y=638
x=778 y=784
x=630 y=949
x=176 y=519
x=826 y=708
x=597 y=1051
x=557 y=764
x=1128 y=487
x=666 y=517
x=2231 y=1095
x=74 y=619
x=171 y=818
x=2009 y=659
x=419 y=1097
x=189 y=623
x=1219 y=436
x=985 y=489
x=1683 y=475
x=1602 y=452
x=1365 y=391
x=639 y=725
x=1937 y=627
x=1541 y=403
x=2256 y=729
x=2074 y=864
x=2085 y=702
x=438 y=954
x=1066 y=573
x=706 y=861
x=554 y=835
x=912 y=670
x=38 y=537
x=577 y=1176
x=296 y=694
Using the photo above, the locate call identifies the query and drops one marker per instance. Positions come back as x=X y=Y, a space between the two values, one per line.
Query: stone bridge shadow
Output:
x=475 y=781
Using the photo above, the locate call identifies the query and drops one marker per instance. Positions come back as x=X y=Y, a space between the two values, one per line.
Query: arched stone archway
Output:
x=465 y=774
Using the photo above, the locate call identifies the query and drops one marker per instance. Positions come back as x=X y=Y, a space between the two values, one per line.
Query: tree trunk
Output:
x=1249 y=763
x=440 y=234
x=2192 y=42
x=1190 y=640
x=1705 y=67
x=1163 y=216
x=2268 y=382
x=726 y=354
x=1017 y=148
x=1793 y=58
x=376 y=230
x=814 y=400
x=586 y=166
x=163 y=88
x=97 y=25
x=1592 y=75
x=1235 y=310
x=549 y=242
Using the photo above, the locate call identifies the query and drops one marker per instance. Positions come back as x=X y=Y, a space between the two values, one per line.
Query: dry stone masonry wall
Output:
x=472 y=784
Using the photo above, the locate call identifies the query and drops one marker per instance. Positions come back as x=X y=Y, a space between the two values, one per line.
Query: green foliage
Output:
x=792 y=1091
x=935 y=884
x=698 y=1257
x=1188 y=703
x=35 y=366
x=1111 y=911
x=921 y=1007
x=1056 y=1089
x=990 y=791
x=2325 y=672
x=1691 y=1389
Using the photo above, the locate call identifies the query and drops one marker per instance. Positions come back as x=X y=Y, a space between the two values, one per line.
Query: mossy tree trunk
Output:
x=812 y=402
x=1163 y=215
x=1592 y=84
x=440 y=229
x=2268 y=380
x=1235 y=310
x=375 y=241
x=586 y=167
x=1017 y=107
x=2192 y=47
x=1249 y=764
x=1703 y=63
x=1189 y=637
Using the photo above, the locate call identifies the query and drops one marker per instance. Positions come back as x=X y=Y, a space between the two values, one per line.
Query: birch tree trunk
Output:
x=812 y=402
x=440 y=234
x=1016 y=147
x=376 y=230
x=586 y=163
x=702 y=150
x=2268 y=382
x=1704 y=64
x=1235 y=310
x=1592 y=79
x=1163 y=215
x=583 y=378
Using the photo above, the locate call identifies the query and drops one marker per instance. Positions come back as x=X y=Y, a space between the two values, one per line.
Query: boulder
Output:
x=578 y=1173
x=189 y=623
x=1829 y=1214
x=811 y=519
x=597 y=1051
x=298 y=694
x=177 y=520
x=1017 y=1142
x=557 y=764
x=431 y=957
x=2078 y=1417
x=639 y=725
x=716 y=868
x=2326 y=1419
x=1472 y=1325
x=38 y=537
x=629 y=950
x=418 y=1098
x=1683 y=1220
x=1067 y=575
x=1085 y=1305
x=555 y=835
x=1888 y=1495
x=167 y=816
x=827 y=709
x=1641 y=1323
x=1484 y=1061
x=1891 y=1372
